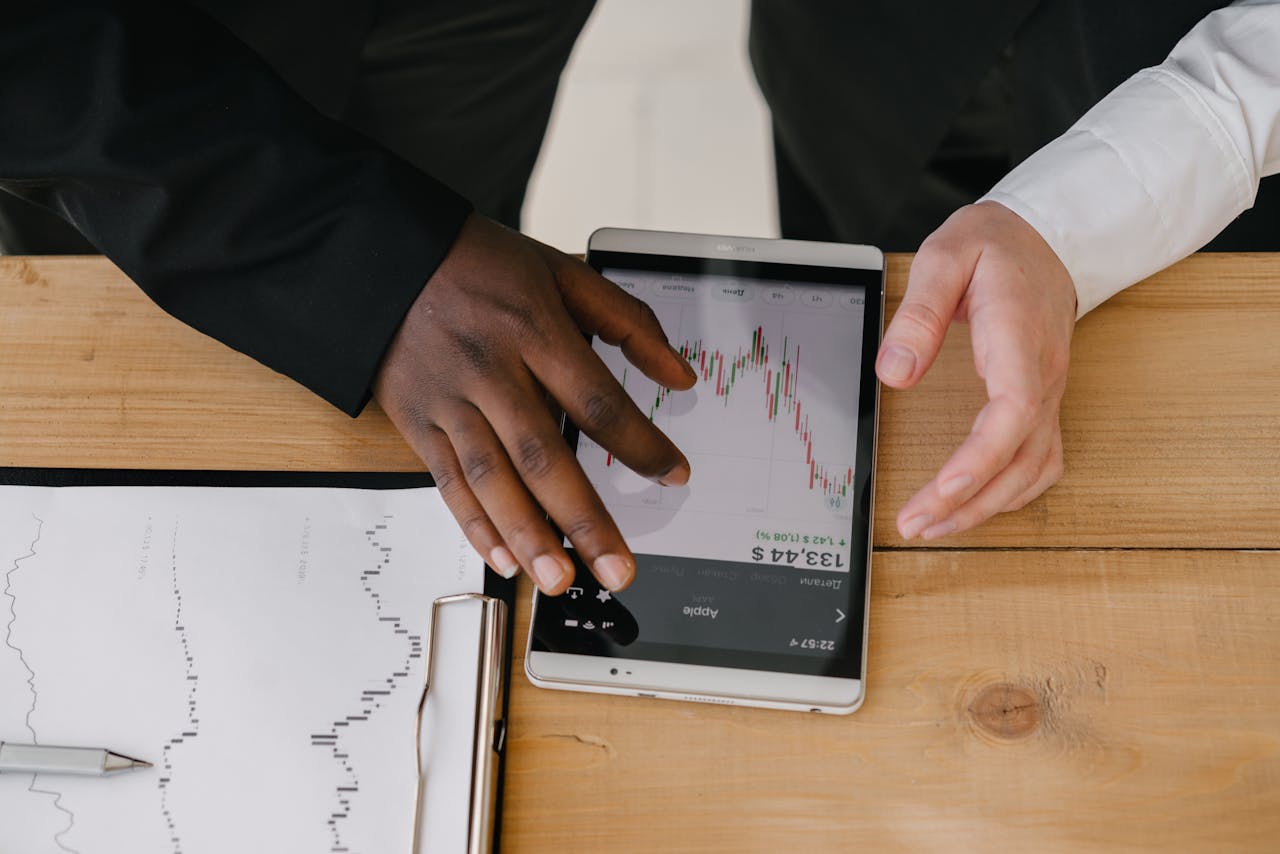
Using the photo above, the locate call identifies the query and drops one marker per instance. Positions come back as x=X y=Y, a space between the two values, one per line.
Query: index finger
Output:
x=600 y=307
x=598 y=404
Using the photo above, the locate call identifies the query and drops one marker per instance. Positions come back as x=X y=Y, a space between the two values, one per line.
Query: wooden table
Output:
x=1100 y=670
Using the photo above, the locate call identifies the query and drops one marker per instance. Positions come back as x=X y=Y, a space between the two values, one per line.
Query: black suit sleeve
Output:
x=235 y=205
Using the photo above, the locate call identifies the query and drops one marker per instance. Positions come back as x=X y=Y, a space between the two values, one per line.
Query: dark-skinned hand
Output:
x=498 y=330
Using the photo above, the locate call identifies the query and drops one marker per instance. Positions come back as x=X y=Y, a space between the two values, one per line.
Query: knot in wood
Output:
x=1006 y=711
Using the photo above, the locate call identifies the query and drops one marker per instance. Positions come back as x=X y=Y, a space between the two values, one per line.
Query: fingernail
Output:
x=614 y=571
x=503 y=562
x=915 y=525
x=684 y=363
x=897 y=363
x=549 y=571
x=940 y=530
x=677 y=475
x=950 y=487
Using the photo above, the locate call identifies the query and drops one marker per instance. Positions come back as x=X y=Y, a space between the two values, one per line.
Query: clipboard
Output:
x=495 y=607
x=488 y=723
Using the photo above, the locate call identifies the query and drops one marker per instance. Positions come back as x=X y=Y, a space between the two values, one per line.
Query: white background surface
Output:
x=659 y=124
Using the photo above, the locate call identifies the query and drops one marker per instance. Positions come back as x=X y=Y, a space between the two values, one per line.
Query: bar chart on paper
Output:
x=263 y=648
x=769 y=427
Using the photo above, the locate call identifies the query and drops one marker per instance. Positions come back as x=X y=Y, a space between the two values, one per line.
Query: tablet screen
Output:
x=762 y=553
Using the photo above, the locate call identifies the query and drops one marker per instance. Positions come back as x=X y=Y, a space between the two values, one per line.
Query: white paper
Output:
x=263 y=647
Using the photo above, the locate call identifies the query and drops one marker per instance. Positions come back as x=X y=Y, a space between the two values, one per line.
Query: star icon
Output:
x=604 y=596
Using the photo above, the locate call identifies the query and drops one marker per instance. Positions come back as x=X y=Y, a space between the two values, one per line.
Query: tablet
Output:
x=752 y=580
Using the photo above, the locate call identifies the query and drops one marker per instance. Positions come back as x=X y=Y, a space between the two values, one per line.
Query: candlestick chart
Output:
x=776 y=386
x=769 y=426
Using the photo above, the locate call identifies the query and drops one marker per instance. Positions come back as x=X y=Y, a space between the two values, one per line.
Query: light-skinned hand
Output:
x=986 y=266
x=500 y=325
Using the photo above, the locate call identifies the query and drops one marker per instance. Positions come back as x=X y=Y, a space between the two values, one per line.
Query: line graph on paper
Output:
x=263 y=648
x=769 y=428
x=31 y=696
x=369 y=705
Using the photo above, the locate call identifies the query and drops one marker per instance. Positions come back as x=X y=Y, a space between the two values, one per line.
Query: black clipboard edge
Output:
x=494 y=584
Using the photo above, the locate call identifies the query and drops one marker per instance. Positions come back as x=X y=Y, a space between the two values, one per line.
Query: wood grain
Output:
x=1171 y=421
x=1170 y=424
x=1046 y=699
x=1018 y=701
x=96 y=375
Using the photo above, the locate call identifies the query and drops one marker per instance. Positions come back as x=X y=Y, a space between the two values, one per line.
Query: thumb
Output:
x=938 y=280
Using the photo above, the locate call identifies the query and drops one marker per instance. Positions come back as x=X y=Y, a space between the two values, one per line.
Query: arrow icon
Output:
x=840 y=618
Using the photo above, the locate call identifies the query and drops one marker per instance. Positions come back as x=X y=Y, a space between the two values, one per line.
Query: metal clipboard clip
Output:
x=489 y=727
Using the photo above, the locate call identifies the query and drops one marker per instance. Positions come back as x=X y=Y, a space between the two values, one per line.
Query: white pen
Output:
x=47 y=759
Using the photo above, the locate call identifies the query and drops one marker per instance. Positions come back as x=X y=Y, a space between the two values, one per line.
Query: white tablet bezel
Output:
x=702 y=683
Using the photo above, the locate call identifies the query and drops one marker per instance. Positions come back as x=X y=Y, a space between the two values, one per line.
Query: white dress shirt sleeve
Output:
x=1162 y=164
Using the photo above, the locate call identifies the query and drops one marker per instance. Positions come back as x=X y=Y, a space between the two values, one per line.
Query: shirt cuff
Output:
x=1146 y=177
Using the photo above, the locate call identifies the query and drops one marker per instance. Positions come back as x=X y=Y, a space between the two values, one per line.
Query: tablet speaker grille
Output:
x=716 y=700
